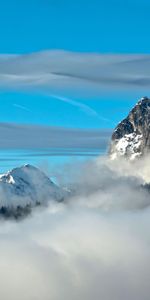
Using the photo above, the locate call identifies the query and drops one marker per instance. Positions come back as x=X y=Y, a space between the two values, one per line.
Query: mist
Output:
x=95 y=245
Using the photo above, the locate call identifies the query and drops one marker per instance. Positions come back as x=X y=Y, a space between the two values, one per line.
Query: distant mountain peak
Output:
x=131 y=137
x=25 y=187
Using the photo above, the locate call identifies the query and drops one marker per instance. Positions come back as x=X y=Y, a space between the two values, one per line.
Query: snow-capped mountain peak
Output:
x=27 y=186
x=131 y=137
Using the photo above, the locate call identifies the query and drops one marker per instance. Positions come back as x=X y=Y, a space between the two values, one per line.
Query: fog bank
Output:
x=95 y=245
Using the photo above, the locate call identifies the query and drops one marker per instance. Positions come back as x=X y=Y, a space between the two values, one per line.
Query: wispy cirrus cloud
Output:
x=21 y=107
x=87 y=109
x=84 y=107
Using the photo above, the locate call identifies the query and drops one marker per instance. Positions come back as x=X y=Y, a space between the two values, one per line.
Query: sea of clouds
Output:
x=95 y=245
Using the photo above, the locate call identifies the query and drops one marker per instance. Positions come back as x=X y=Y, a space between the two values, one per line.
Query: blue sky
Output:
x=19 y=107
x=82 y=26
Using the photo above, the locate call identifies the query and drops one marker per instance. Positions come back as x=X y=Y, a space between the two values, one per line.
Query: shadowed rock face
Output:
x=131 y=137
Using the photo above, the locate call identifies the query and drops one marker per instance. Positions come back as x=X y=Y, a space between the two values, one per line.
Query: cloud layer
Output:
x=59 y=139
x=56 y=71
x=96 y=245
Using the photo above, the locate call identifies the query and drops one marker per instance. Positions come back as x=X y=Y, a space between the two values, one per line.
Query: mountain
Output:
x=131 y=137
x=25 y=187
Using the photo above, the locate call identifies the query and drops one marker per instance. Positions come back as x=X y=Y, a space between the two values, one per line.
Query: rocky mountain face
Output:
x=26 y=187
x=131 y=137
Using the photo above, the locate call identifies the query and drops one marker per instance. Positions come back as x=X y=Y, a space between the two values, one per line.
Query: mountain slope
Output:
x=26 y=187
x=131 y=137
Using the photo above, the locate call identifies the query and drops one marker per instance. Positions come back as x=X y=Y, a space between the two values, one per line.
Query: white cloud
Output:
x=79 y=250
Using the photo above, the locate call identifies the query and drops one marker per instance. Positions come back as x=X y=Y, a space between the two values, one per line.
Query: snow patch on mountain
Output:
x=128 y=145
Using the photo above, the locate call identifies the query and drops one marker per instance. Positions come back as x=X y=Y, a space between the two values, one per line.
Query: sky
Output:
x=78 y=34
x=81 y=25
x=70 y=70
